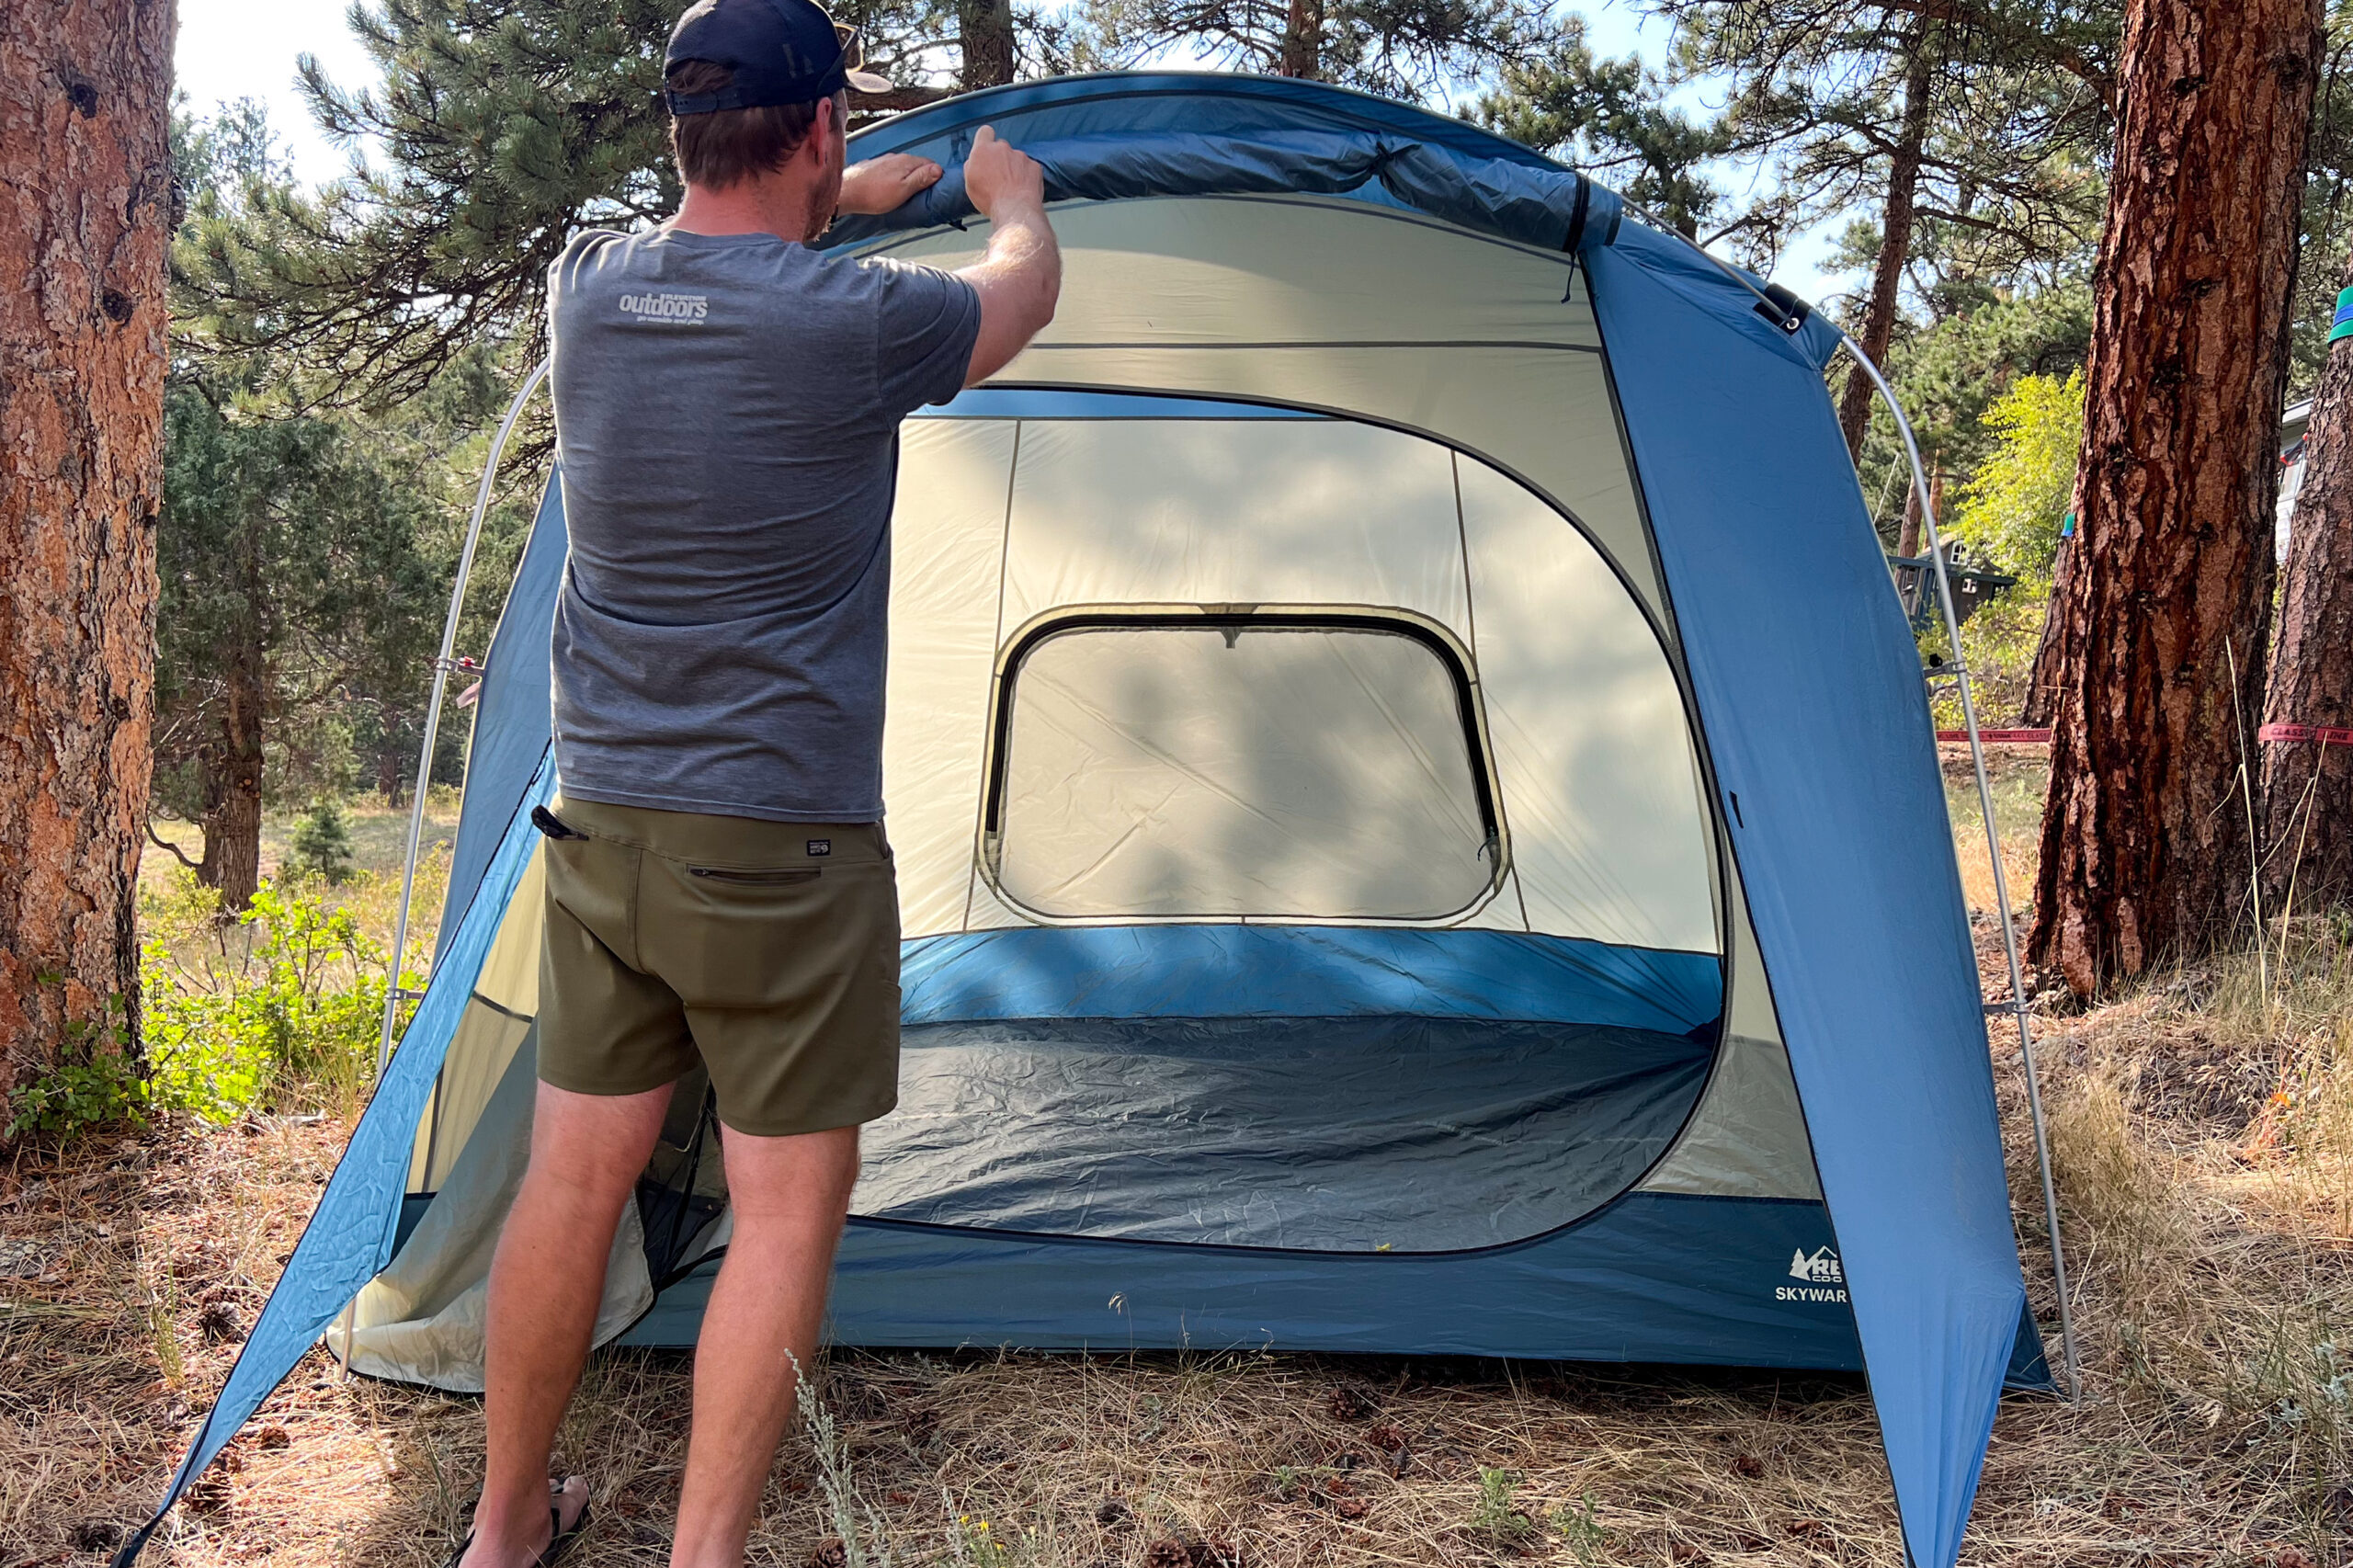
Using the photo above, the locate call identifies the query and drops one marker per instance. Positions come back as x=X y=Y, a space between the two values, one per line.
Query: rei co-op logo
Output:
x=1824 y=1279
x=688 y=307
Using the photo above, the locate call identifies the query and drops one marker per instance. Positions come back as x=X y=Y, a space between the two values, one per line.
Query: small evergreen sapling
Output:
x=322 y=843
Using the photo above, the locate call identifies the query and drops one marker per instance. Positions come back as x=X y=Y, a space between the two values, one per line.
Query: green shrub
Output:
x=1588 y=1538
x=321 y=843
x=95 y=1083
x=2012 y=508
x=1999 y=641
x=293 y=1014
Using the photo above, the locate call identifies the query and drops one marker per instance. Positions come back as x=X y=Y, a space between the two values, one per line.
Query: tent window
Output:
x=1286 y=765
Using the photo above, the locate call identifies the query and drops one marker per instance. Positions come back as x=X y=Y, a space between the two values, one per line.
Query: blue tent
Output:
x=1418 y=821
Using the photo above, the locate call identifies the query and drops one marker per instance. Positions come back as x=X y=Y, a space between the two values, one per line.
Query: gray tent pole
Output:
x=442 y=666
x=2019 y=1008
x=394 y=995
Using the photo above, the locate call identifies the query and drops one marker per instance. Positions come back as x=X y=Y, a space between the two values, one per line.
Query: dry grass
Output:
x=2212 y=1293
x=2202 y=1131
x=2017 y=775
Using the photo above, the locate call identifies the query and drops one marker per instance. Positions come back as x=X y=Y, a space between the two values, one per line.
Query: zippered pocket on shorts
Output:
x=780 y=876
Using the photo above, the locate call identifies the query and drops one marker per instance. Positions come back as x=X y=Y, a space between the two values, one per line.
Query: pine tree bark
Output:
x=2166 y=608
x=1907 y=537
x=85 y=209
x=984 y=34
x=233 y=765
x=388 y=782
x=2307 y=785
x=2048 y=673
x=2042 y=679
x=1302 y=54
x=1896 y=245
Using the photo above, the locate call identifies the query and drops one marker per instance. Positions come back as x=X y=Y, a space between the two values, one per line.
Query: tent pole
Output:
x=442 y=666
x=2018 y=1006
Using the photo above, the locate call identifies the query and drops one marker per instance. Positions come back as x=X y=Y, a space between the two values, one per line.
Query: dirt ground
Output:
x=2210 y=1231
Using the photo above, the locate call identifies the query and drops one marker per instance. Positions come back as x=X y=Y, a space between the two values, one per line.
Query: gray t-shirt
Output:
x=727 y=412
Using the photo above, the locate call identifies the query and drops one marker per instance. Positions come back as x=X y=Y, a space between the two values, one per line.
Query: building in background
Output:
x=2292 y=425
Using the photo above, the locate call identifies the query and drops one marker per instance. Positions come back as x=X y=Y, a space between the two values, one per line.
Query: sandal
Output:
x=559 y=1538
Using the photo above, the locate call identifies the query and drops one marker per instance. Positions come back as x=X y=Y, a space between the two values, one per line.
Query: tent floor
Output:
x=1369 y=1134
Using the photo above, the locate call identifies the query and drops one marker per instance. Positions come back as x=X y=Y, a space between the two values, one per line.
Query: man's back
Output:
x=727 y=409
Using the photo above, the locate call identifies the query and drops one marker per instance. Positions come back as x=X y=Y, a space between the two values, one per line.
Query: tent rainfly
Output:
x=1418 y=824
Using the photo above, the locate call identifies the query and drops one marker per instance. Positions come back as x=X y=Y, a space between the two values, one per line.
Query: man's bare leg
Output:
x=789 y=1195
x=546 y=1282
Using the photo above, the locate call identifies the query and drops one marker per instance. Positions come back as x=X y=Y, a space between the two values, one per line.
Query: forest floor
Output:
x=2202 y=1133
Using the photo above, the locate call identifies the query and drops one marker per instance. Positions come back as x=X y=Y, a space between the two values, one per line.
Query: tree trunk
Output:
x=1302 y=46
x=2307 y=785
x=2043 y=680
x=86 y=202
x=388 y=776
x=2048 y=671
x=232 y=790
x=2165 y=611
x=985 y=34
x=1896 y=245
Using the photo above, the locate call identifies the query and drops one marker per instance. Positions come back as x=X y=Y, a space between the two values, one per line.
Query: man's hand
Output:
x=998 y=175
x=1021 y=277
x=885 y=184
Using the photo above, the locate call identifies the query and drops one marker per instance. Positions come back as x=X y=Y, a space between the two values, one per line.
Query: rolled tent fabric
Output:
x=1550 y=208
x=1823 y=755
x=1269 y=138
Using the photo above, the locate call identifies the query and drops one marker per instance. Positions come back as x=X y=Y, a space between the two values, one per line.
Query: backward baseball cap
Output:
x=782 y=52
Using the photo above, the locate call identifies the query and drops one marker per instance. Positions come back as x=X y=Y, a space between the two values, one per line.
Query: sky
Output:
x=237 y=49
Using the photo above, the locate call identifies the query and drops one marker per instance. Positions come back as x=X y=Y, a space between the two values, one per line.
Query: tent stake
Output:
x=2019 y=1008
x=393 y=994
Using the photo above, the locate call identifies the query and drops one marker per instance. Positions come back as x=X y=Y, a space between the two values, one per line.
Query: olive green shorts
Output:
x=769 y=950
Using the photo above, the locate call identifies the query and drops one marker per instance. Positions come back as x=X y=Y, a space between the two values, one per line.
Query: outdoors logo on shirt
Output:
x=667 y=307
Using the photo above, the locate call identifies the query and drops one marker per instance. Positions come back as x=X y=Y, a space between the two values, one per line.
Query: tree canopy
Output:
x=302 y=554
x=1613 y=120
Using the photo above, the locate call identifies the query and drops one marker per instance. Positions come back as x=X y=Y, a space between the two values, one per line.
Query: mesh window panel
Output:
x=1224 y=770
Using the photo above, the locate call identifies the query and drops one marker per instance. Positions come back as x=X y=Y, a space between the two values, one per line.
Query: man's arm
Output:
x=1021 y=277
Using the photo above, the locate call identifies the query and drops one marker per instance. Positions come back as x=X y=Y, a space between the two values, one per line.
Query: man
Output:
x=727 y=406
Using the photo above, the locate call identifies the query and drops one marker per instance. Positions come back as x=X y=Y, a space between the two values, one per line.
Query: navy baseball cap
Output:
x=782 y=52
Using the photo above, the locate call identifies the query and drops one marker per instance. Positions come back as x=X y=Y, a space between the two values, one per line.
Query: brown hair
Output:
x=731 y=145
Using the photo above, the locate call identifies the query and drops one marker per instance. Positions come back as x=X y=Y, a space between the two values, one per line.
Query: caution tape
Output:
x=2000 y=737
x=2325 y=734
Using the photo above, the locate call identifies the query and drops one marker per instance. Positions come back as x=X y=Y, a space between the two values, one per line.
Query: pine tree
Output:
x=1611 y=119
x=2308 y=782
x=1971 y=126
x=289 y=564
x=321 y=843
x=500 y=129
x=2164 y=606
x=1404 y=49
x=85 y=109
x=289 y=559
